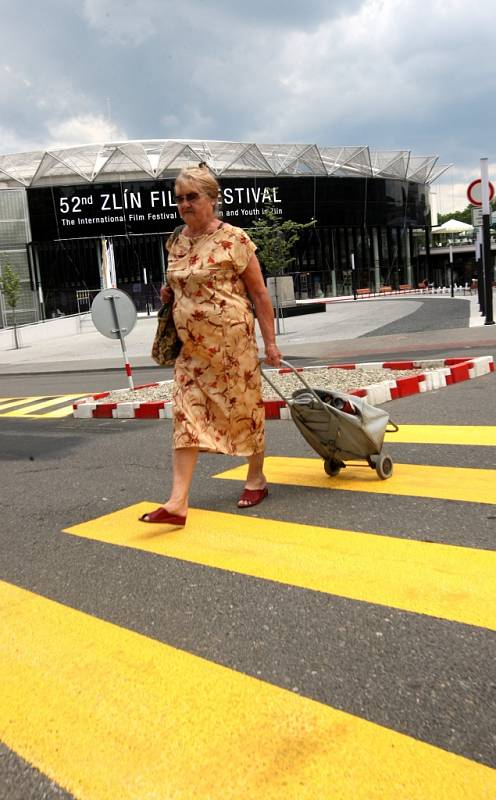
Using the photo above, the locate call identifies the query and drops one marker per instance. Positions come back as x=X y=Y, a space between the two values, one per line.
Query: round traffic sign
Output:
x=474 y=192
x=113 y=313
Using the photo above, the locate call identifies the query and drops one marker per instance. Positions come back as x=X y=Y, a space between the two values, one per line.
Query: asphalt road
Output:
x=425 y=676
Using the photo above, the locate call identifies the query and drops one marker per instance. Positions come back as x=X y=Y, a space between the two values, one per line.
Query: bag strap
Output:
x=172 y=238
x=175 y=233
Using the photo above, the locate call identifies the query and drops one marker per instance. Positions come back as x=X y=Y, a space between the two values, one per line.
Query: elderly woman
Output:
x=215 y=277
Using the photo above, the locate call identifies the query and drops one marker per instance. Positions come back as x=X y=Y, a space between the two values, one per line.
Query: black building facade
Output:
x=371 y=214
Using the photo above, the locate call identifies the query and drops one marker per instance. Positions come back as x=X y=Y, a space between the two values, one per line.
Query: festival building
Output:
x=63 y=210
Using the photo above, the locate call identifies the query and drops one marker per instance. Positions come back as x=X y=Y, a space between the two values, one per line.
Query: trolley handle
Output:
x=305 y=384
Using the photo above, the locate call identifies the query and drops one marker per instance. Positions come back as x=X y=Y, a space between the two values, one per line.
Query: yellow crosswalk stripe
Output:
x=65 y=411
x=108 y=713
x=445 y=434
x=28 y=411
x=455 y=583
x=11 y=402
x=416 y=480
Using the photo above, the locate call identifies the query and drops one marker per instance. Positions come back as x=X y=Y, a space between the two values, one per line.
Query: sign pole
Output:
x=451 y=269
x=114 y=321
x=119 y=331
x=480 y=273
x=147 y=296
x=486 y=237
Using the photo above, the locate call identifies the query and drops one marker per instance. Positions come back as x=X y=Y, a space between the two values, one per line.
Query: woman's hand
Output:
x=272 y=355
x=257 y=291
x=166 y=294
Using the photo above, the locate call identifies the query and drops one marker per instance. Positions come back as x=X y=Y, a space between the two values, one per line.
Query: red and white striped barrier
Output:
x=439 y=373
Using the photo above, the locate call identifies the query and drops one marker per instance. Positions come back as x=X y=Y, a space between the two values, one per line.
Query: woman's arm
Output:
x=257 y=290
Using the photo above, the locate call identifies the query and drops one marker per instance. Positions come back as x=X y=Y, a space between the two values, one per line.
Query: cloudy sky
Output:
x=391 y=74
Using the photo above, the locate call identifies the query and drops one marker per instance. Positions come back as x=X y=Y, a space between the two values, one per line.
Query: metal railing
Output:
x=84 y=299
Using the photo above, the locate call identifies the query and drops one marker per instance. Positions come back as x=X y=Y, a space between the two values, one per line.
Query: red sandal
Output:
x=252 y=497
x=162 y=516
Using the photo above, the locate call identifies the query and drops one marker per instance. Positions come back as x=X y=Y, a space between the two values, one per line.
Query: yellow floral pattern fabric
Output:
x=217 y=394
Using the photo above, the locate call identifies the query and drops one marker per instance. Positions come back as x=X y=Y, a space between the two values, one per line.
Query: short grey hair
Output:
x=204 y=179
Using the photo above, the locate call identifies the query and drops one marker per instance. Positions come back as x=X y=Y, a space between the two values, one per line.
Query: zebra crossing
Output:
x=457 y=582
x=106 y=711
x=37 y=407
x=183 y=725
x=447 y=483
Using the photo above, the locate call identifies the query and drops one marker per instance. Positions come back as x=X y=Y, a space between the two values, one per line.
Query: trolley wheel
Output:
x=384 y=467
x=333 y=467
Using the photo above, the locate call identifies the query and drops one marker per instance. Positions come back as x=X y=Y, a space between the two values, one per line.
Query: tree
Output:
x=275 y=241
x=10 y=285
x=461 y=216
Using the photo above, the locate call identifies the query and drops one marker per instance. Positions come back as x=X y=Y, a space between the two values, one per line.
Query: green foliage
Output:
x=10 y=285
x=275 y=240
x=461 y=216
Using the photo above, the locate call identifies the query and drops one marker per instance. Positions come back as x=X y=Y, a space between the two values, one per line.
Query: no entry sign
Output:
x=474 y=192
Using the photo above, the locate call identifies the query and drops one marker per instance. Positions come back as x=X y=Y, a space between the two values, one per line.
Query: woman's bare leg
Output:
x=183 y=466
x=255 y=478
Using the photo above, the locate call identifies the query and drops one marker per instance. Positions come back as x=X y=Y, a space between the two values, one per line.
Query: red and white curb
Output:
x=440 y=373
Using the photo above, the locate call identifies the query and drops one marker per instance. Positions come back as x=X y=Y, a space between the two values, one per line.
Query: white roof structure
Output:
x=162 y=158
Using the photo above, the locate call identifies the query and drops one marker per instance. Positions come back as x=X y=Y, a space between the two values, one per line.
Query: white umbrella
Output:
x=453 y=226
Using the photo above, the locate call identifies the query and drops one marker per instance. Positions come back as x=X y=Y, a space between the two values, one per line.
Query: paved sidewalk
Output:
x=346 y=329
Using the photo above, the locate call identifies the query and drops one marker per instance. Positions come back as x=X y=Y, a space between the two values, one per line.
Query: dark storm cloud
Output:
x=393 y=74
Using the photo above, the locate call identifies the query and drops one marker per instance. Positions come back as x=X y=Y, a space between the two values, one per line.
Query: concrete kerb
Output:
x=440 y=373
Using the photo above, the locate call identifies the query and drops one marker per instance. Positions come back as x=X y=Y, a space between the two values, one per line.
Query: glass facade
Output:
x=68 y=267
x=370 y=209
x=14 y=235
x=363 y=237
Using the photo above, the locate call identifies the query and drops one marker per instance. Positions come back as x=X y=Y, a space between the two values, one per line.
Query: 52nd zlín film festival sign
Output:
x=106 y=209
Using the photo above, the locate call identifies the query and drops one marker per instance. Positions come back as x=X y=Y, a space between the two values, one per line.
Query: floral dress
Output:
x=217 y=395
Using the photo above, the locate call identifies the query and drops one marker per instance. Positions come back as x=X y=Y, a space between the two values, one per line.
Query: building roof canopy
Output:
x=163 y=158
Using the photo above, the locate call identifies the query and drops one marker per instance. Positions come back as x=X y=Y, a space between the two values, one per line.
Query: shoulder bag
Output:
x=167 y=344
